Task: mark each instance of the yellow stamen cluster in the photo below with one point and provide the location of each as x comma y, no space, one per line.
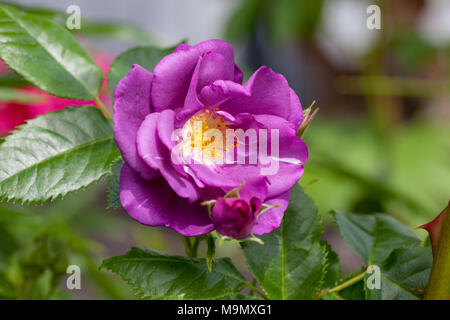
200,123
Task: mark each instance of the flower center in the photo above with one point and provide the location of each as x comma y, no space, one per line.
204,136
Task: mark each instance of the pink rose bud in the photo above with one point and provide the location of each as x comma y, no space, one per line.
234,217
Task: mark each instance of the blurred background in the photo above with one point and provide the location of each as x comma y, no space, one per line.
380,142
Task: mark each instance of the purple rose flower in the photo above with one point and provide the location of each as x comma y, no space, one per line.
234,217
202,85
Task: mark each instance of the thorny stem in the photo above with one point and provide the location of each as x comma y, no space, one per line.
343,285
438,287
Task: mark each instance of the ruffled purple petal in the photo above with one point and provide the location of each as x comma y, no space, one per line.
166,127
253,189
288,176
211,176
148,145
210,67
271,219
238,75
214,66
131,106
154,203
296,112
290,146
182,47
173,73
293,153
191,104
270,94
287,166
158,156
220,91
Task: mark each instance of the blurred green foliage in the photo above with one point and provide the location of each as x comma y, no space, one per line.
350,168
38,243
282,19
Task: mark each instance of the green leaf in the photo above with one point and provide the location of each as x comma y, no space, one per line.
333,270
404,275
374,236
356,290
147,57
47,55
292,261
162,276
56,153
114,185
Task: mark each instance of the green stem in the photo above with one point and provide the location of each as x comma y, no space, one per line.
194,247
439,283
187,245
343,285
254,289
103,108
191,245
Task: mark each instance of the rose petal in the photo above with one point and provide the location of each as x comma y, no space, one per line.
238,75
220,91
214,66
296,112
131,106
154,203
271,219
210,67
269,94
166,127
182,47
173,73
157,156
211,176
285,169
192,104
